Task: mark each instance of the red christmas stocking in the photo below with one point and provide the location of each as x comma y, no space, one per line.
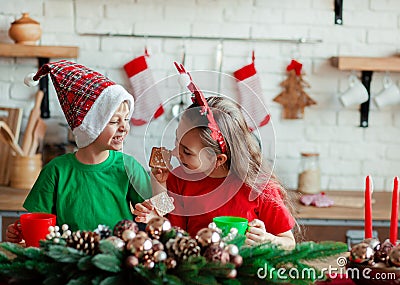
250,96
148,105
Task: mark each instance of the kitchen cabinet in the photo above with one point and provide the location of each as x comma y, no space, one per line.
43,54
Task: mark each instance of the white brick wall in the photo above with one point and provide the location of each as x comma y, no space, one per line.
347,152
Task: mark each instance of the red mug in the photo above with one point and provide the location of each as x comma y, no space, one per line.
35,227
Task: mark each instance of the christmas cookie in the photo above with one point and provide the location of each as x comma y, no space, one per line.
162,203
160,157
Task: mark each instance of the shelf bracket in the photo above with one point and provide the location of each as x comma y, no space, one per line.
366,78
44,86
338,12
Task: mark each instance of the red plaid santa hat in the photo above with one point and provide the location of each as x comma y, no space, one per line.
88,98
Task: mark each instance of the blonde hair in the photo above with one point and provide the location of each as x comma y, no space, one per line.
243,150
244,156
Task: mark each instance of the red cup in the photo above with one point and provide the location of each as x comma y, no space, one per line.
35,227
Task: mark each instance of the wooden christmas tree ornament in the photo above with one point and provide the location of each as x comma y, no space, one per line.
293,98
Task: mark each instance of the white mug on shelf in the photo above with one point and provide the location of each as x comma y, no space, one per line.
355,94
389,95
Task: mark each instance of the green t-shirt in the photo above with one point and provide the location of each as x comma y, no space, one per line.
84,195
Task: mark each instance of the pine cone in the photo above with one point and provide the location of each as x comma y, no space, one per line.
86,241
215,253
182,247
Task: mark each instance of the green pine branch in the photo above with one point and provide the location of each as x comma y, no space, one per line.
309,251
58,264
4,258
13,248
217,269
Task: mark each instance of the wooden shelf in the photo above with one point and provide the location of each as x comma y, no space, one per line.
367,63
43,54
16,50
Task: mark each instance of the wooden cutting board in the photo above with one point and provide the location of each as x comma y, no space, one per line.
13,117
348,202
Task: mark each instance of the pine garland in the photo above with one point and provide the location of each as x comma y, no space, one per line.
84,257
58,264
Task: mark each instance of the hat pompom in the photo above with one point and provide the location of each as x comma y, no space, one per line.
29,81
184,80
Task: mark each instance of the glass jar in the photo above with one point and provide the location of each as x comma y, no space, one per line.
309,181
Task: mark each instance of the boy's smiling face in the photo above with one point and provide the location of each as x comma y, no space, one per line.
113,135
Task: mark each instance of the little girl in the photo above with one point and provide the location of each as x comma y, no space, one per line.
222,173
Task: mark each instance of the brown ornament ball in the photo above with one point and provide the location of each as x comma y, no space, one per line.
160,256
170,262
131,261
372,243
213,253
225,258
149,263
116,242
139,245
127,235
157,245
142,234
123,225
156,226
232,249
232,274
361,253
394,256
237,260
207,236
382,251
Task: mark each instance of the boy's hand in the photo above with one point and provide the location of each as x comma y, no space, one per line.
144,212
14,233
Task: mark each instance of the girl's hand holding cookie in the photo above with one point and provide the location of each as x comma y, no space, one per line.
160,163
160,174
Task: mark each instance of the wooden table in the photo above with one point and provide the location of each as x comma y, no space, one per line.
317,224
333,222
11,201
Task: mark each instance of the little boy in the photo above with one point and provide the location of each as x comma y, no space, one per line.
97,184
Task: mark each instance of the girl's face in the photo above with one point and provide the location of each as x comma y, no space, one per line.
191,153
113,135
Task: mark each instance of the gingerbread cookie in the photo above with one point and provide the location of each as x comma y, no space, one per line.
162,203
160,157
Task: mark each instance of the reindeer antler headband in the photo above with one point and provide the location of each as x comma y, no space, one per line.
199,99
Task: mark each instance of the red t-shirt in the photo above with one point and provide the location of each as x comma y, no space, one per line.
199,199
